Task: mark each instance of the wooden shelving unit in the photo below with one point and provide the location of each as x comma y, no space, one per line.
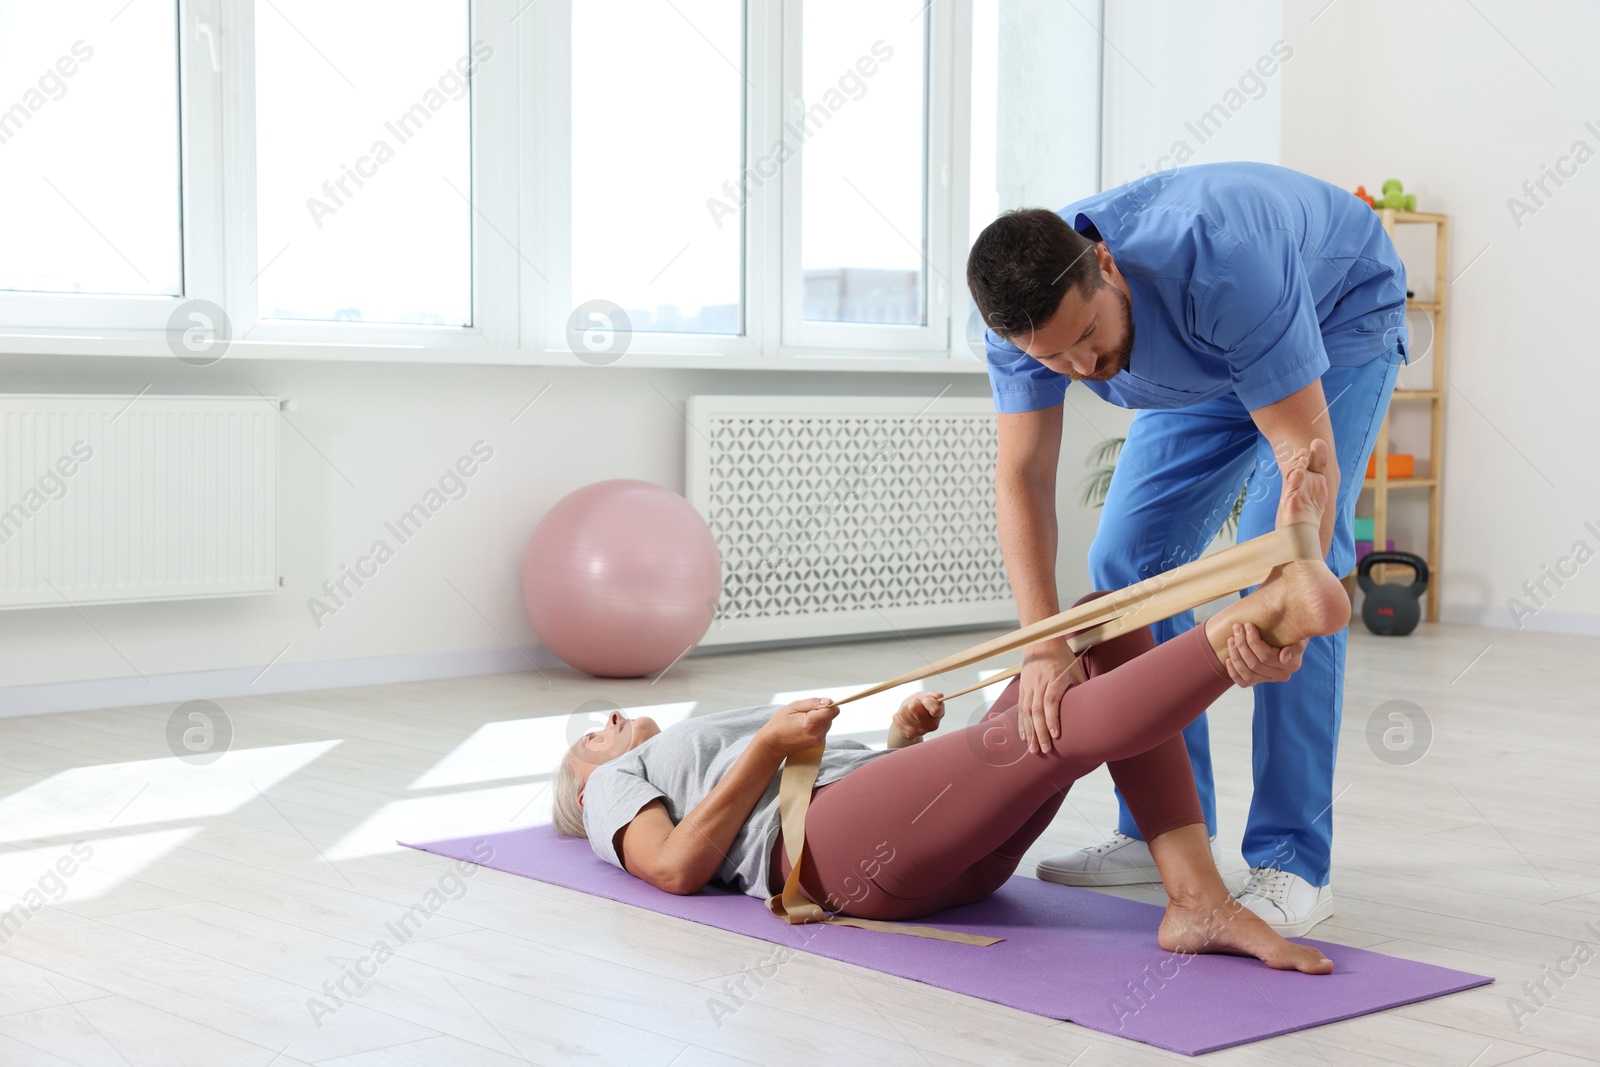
1433,397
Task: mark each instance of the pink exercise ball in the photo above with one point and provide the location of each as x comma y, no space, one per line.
621,578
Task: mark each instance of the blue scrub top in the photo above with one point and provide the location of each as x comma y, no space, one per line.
1236,272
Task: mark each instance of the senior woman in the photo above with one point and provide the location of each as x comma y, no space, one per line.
902,833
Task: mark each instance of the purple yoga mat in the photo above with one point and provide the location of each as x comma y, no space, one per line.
1068,953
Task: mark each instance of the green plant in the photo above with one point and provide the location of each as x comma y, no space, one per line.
1102,461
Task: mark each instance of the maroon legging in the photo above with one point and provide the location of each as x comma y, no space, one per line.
946,821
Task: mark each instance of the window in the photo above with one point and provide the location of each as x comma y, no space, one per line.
678,178
89,149
863,208
1019,154
363,116
1022,154
657,188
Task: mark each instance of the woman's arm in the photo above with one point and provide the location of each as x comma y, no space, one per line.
682,858
918,714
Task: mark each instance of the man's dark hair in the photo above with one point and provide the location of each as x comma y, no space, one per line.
1023,263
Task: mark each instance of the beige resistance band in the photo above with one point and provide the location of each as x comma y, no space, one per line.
1151,600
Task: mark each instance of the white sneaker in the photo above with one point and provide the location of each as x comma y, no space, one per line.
1289,904
1123,860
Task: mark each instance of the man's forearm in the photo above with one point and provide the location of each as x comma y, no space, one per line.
1028,533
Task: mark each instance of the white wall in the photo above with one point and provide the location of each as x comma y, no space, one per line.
1170,62
1465,103
391,431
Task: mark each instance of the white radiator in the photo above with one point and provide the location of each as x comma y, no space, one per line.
120,498
848,515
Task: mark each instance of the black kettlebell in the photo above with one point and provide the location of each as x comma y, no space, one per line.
1389,609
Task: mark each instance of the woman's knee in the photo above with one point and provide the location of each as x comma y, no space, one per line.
1007,700
1119,649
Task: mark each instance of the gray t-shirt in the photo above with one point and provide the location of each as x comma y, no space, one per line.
681,765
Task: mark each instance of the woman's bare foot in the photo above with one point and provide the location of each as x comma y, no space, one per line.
1226,927
1305,486
1300,599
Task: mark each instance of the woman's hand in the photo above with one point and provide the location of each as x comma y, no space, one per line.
919,713
799,725
1252,661
1049,669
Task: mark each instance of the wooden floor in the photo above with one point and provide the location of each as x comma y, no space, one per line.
215,904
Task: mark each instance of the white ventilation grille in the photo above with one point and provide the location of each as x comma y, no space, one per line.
120,498
848,515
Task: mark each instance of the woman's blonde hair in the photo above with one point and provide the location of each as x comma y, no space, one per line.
565,811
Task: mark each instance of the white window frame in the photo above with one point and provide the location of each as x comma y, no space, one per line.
493,260
772,288
546,35
960,85
958,166
521,186
932,338
100,316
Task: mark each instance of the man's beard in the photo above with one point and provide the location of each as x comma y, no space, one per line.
1118,361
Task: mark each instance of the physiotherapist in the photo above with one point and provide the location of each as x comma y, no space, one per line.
1245,309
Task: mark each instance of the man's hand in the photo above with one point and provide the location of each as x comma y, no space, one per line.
1049,668
918,714
798,725
1025,505
1252,661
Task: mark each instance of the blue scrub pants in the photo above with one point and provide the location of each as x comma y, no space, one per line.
1178,475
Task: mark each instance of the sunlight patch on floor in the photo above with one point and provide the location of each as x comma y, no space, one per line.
83,870
476,811
134,792
517,748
